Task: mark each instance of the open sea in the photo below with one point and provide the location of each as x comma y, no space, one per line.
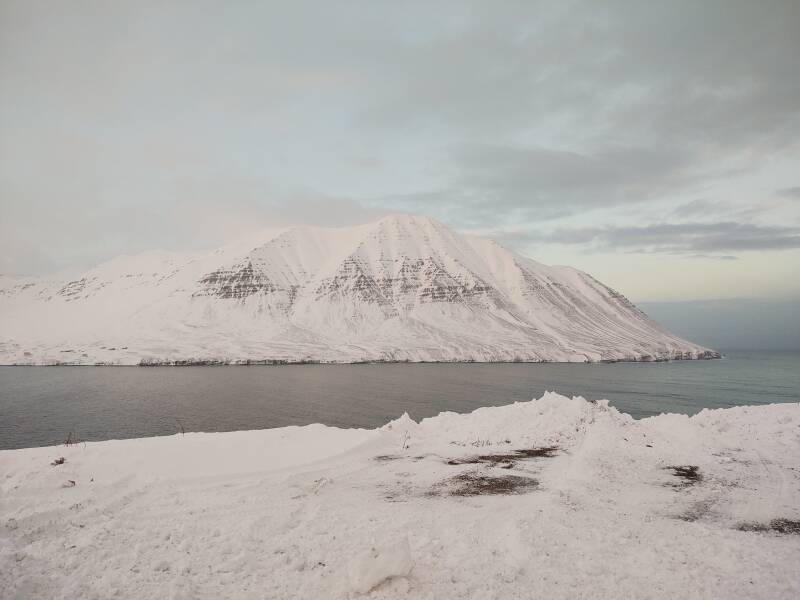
40,406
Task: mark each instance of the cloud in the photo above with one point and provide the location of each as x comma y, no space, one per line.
792,193
504,184
546,183
714,256
35,239
571,107
701,207
680,238
124,126
685,69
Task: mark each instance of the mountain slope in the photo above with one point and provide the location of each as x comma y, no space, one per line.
404,288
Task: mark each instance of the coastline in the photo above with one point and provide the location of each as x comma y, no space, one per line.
216,362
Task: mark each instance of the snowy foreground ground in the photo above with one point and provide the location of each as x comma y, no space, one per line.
554,498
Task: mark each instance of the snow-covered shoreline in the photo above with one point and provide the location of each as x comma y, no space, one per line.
556,498
248,362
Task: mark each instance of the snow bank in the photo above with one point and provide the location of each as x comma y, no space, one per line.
558,497
378,564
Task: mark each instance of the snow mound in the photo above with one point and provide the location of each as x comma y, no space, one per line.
378,564
555,498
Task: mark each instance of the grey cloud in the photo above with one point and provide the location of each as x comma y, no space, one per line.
700,207
547,183
573,107
792,192
505,184
38,235
743,212
712,73
558,170
129,125
682,238
715,256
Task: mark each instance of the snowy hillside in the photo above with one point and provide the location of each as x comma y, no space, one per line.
555,498
404,288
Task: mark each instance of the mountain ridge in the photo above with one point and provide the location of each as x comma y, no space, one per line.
404,288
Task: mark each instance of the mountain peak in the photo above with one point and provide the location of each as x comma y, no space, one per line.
403,288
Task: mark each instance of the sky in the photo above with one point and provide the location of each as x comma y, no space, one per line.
734,324
654,145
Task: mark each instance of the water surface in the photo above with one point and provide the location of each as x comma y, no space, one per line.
40,405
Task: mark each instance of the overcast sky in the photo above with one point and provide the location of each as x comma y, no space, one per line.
655,145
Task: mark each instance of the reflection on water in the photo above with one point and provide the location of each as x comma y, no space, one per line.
39,405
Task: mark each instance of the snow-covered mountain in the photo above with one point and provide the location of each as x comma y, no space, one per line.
404,288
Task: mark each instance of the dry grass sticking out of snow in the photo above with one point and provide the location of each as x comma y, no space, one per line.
555,498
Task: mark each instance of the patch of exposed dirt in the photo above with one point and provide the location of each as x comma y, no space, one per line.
697,511
786,526
468,460
510,457
477,484
391,457
688,474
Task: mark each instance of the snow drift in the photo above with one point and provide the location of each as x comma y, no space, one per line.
553,498
402,289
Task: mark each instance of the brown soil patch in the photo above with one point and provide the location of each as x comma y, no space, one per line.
476,484
697,511
510,457
777,525
689,474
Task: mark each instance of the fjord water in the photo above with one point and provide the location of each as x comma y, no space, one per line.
39,406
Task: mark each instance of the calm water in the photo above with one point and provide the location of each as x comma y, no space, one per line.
39,405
